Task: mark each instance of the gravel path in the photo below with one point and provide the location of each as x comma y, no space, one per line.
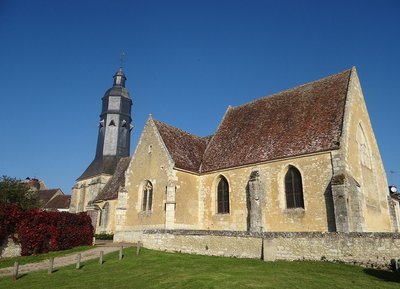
65,260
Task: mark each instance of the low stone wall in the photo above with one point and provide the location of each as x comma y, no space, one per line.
368,249
215,243
10,249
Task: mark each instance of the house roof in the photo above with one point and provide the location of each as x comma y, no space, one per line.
185,149
302,120
46,195
110,190
59,202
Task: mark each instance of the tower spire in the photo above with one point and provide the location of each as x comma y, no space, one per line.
113,140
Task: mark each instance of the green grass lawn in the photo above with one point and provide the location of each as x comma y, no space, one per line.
153,269
9,262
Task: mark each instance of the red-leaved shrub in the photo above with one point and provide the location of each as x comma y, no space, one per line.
10,216
40,231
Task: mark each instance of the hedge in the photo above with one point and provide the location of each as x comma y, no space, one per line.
41,231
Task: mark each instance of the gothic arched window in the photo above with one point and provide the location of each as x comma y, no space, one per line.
103,218
223,196
294,189
147,196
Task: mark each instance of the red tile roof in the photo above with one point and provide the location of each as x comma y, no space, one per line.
305,119
302,120
186,149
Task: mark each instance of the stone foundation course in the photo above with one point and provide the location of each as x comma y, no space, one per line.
366,249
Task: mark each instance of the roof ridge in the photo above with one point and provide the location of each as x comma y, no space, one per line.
293,88
179,129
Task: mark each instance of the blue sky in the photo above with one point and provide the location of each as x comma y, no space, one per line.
186,61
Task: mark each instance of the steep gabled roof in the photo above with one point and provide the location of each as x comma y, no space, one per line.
185,149
58,202
46,195
302,120
110,190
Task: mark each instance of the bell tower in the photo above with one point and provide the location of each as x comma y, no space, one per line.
113,143
114,133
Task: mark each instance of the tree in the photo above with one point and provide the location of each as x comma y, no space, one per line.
14,191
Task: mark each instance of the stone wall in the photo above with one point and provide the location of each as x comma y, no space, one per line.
10,249
368,249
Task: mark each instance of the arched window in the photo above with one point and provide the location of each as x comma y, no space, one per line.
147,196
223,196
103,218
294,189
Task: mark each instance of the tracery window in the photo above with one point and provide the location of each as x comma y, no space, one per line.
223,196
294,189
147,196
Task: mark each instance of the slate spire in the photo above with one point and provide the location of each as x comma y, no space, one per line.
114,132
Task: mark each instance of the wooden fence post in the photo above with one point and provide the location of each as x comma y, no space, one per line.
78,261
51,264
138,248
101,258
121,254
15,271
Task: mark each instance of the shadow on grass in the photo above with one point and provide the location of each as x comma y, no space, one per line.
22,276
384,275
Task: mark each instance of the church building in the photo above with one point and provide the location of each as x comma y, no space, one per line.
301,160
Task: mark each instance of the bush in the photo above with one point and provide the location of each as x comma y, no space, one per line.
40,231
104,236
14,191
10,216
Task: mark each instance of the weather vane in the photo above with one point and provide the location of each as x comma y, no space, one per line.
122,58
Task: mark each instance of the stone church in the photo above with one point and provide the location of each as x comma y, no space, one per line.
301,160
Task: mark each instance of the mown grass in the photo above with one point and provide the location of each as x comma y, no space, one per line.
153,269
8,262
